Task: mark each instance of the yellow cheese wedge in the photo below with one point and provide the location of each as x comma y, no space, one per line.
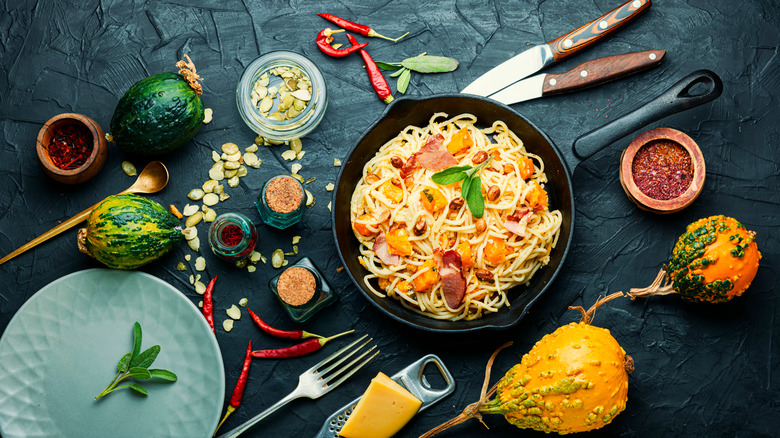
383,410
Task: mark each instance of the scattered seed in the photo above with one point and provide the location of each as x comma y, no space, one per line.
288,155
194,244
296,145
195,194
303,95
200,304
209,215
229,148
190,233
329,187
242,302
200,264
329,205
190,209
254,257
194,219
251,268
298,177
181,267
217,173
296,240
252,148
200,288
277,258
300,154
233,312
241,263
309,198
242,171
192,279
129,168
310,180
215,156
223,196
259,140
296,167
210,199
227,325
295,249
208,113
233,181
336,162
187,257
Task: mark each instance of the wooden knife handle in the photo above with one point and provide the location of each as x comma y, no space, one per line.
599,71
597,29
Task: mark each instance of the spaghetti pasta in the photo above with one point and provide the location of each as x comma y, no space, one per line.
405,222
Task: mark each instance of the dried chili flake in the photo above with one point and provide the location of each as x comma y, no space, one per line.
662,170
70,146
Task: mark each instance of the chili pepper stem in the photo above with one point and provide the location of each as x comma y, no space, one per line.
305,334
324,340
373,33
228,411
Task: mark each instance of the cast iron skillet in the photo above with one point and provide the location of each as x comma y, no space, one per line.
418,111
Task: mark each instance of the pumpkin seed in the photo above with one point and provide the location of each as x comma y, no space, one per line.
192,279
310,180
233,164
232,158
209,185
261,91
265,104
299,104
195,194
215,156
288,155
300,154
298,177
229,148
109,138
242,171
274,142
208,113
200,288
336,162
233,312
272,91
233,181
190,233
329,187
187,257
254,257
181,267
292,113
200,264
242,302
252,148
264,80
129,168
200,304
296,167
277,258
241,263
217,173
296,145
194,219
309,198
276,116
296,240
251,268
230,173
210,215
295,249
211,199
223,196
285,262
259,140
194,244
219,189
304,95
264,259
227,325
329,202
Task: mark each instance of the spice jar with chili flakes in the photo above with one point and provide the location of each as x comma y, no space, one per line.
232,236
281,202
302,290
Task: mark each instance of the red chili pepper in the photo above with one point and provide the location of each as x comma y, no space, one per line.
238,391
357,28
288,334
375,75
208,303
296,350
324,38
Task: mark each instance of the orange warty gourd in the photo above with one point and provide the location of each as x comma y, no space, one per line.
574,379
714,261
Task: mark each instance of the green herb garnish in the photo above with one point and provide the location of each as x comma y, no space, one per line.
471,189
422,63
136,365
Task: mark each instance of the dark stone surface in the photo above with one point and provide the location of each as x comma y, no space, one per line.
701,370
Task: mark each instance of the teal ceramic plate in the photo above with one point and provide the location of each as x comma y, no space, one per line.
62,347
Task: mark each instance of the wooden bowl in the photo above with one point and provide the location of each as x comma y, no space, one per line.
644,201
93,164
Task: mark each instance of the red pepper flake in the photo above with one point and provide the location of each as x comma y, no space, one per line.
662,169
283,195
70,146
231,235
296,286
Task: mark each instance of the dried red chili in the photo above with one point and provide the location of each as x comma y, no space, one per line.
362,29
231,235
325,37
378,81
287,334
238,391
296,350
208,303
662,170
70,146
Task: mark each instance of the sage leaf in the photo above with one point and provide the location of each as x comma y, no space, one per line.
124,363
163,374
464,188
136,340
399,72
430,64
403,80
449,178
138,388
388,65
475,200
146,358
139,373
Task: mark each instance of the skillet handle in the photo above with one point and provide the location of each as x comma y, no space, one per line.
675,99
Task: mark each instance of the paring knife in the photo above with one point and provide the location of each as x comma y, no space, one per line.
588,74
538,57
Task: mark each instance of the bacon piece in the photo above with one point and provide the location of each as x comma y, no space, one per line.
409,166
381,251
453,284
517,222
434,155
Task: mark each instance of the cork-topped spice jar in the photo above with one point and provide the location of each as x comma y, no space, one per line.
302,290
281,201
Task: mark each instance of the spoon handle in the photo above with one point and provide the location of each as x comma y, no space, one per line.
68,224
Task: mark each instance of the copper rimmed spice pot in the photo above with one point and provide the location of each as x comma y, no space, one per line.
662,170
281,201
302,290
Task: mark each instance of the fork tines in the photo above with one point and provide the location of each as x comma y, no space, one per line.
340,357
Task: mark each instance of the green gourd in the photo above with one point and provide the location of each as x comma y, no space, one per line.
128,231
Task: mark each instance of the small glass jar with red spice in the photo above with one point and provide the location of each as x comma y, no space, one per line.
302,290
232,236
281,201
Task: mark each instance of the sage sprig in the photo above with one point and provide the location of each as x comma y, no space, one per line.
136,365
421,63
470,189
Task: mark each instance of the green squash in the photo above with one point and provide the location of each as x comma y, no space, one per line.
128,231
157,115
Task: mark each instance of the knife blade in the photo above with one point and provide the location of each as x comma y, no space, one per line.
585,75
538,57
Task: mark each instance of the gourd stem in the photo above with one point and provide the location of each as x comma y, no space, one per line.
588,316
475,409
656,288
190,74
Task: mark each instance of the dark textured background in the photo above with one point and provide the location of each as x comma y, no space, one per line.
706,370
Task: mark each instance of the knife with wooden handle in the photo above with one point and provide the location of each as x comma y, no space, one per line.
585,75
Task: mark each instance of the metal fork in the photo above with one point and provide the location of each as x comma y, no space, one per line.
314,382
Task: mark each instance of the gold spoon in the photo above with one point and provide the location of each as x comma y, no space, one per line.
152,179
